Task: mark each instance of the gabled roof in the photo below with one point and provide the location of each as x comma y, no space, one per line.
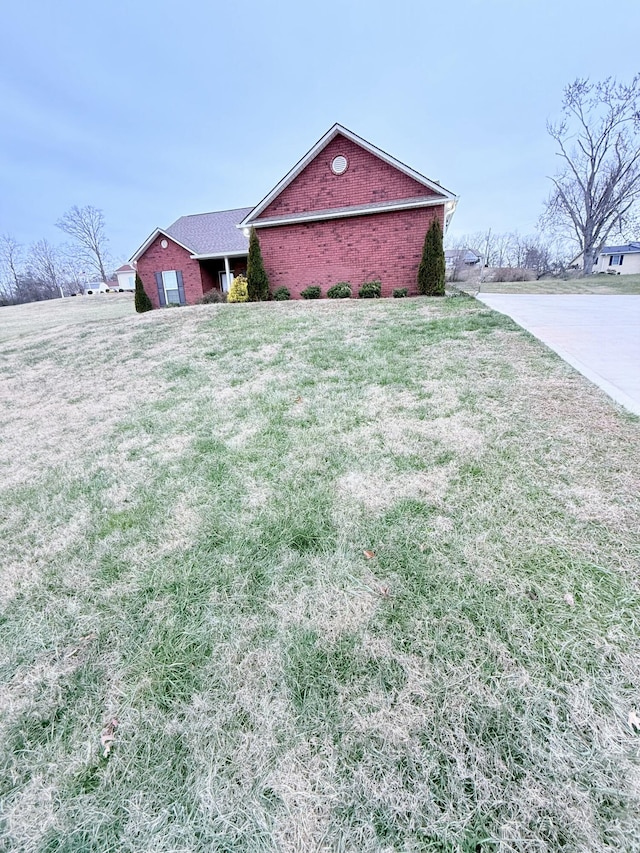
462,254
318,147
126,268
205,234
627,249
211,233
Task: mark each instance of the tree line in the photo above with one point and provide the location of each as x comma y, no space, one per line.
540,253
44,270
595,192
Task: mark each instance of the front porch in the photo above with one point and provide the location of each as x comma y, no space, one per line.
219,272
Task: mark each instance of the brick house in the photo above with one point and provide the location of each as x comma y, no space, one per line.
191,257
347,211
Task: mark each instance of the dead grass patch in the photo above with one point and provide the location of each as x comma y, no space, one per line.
464,685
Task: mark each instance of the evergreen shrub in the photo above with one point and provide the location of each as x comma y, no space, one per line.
311,292
140,299
431,272
341,290
257,281
370,290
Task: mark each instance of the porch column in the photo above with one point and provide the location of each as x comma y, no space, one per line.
227,272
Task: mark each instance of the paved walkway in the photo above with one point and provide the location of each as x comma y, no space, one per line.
598,335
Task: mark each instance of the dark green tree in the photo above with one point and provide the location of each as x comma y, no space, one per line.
141,300
257,280
431,271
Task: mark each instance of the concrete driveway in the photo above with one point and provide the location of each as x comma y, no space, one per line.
598,335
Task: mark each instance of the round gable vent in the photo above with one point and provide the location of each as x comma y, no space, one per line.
164,244
339,165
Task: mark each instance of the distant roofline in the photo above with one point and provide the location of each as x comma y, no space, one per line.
209,212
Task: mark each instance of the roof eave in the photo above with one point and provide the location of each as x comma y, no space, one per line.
232,253
318,215
159,231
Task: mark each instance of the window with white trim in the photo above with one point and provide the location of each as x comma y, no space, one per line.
616,260
170,284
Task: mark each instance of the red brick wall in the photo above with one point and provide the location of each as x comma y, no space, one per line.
367,179
174,257
384,246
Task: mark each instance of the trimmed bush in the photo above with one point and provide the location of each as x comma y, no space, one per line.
370,290
141,299
212,296
257,281
431,272
400,292
238,290
341,290
281,294
312,292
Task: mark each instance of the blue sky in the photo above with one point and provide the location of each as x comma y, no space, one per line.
154,110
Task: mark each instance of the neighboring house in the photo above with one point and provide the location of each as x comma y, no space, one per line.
461,257
126,275
624,260
181,263
347,211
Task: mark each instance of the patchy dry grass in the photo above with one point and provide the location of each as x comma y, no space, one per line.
182,545
17,321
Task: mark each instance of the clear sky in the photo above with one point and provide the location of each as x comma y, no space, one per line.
152,110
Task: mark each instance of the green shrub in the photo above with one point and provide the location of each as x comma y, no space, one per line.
431,271
400,292
238,290
312,292
370,290
281,294
141,299
212,296
257,281
341,290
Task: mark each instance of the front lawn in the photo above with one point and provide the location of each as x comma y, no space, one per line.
354,576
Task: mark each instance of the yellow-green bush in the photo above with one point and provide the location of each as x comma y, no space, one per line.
238,291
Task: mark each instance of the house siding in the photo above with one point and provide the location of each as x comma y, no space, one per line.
174,257
630,264
367,180
385,246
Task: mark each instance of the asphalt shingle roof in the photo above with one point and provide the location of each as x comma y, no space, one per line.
211,233
627,249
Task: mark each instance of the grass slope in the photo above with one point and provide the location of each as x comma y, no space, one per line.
181,541
603,284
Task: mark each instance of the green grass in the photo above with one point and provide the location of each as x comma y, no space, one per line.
604,284
182,540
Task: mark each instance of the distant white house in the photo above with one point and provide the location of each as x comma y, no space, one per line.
622,260
461,257
615,260
126,275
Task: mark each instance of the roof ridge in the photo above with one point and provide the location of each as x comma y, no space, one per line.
209,212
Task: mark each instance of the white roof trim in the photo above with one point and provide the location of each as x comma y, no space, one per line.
236,253
150,240
317,148
316,215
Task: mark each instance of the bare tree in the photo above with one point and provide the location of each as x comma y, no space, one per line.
86,226
46,264
599,143
11,258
